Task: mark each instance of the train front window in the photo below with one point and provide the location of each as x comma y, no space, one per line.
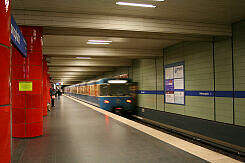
119,90
114,90
104,90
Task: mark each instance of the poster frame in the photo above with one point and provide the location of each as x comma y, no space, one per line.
165,91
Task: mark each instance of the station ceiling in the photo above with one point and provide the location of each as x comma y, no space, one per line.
135,32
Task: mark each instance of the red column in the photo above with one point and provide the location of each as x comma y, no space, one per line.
5,104
45,87
27,105
49,87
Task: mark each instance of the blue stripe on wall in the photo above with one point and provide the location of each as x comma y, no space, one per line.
199,93
238,94
224,94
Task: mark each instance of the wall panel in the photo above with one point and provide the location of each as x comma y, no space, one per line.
239,70
223,80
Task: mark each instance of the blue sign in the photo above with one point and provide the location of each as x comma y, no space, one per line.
17,38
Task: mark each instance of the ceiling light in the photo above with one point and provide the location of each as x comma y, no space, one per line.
99,41
135,4
83,57
106,43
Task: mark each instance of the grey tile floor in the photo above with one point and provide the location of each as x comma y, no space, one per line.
74,133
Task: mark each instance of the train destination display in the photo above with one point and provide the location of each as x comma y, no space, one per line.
175,84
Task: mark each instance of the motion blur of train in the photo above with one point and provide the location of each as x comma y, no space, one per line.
111,94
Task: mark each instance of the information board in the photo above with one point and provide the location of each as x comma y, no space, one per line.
25,86
175,83
17,38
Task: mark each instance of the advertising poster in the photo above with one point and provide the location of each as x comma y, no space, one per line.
169,73
178,83
169,97
179,72
169,85
179,97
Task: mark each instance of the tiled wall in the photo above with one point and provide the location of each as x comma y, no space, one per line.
198,77
160,84
239,70
223,80
146,79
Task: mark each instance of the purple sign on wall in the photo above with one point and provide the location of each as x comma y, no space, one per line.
169,85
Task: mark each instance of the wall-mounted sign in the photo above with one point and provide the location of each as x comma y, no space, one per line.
175,83
25,86
17,38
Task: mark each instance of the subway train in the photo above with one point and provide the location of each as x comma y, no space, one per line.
111,94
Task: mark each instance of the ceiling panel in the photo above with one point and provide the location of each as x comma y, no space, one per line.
81,41
209,11
79,69
93,63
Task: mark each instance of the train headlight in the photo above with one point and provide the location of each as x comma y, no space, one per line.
128,101
106,101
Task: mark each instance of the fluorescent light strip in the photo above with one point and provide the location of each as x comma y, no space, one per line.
135,4
105,43
99,41
83,57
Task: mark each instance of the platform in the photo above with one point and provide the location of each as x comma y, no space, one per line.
76,132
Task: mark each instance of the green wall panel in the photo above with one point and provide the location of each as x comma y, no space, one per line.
177,109
239,70
224,109
160,102
223,80
198,60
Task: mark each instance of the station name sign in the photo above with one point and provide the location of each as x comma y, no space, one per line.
17,38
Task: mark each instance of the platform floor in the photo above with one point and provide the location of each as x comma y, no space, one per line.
75,133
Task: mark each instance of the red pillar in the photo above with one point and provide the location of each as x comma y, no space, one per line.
5,105
27,105
49,87
45,87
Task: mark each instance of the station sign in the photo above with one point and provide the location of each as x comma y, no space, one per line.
17,38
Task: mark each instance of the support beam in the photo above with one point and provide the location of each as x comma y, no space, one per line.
118,63
79,69
100,52
69,80
74,73
118,23
66,76
67,31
